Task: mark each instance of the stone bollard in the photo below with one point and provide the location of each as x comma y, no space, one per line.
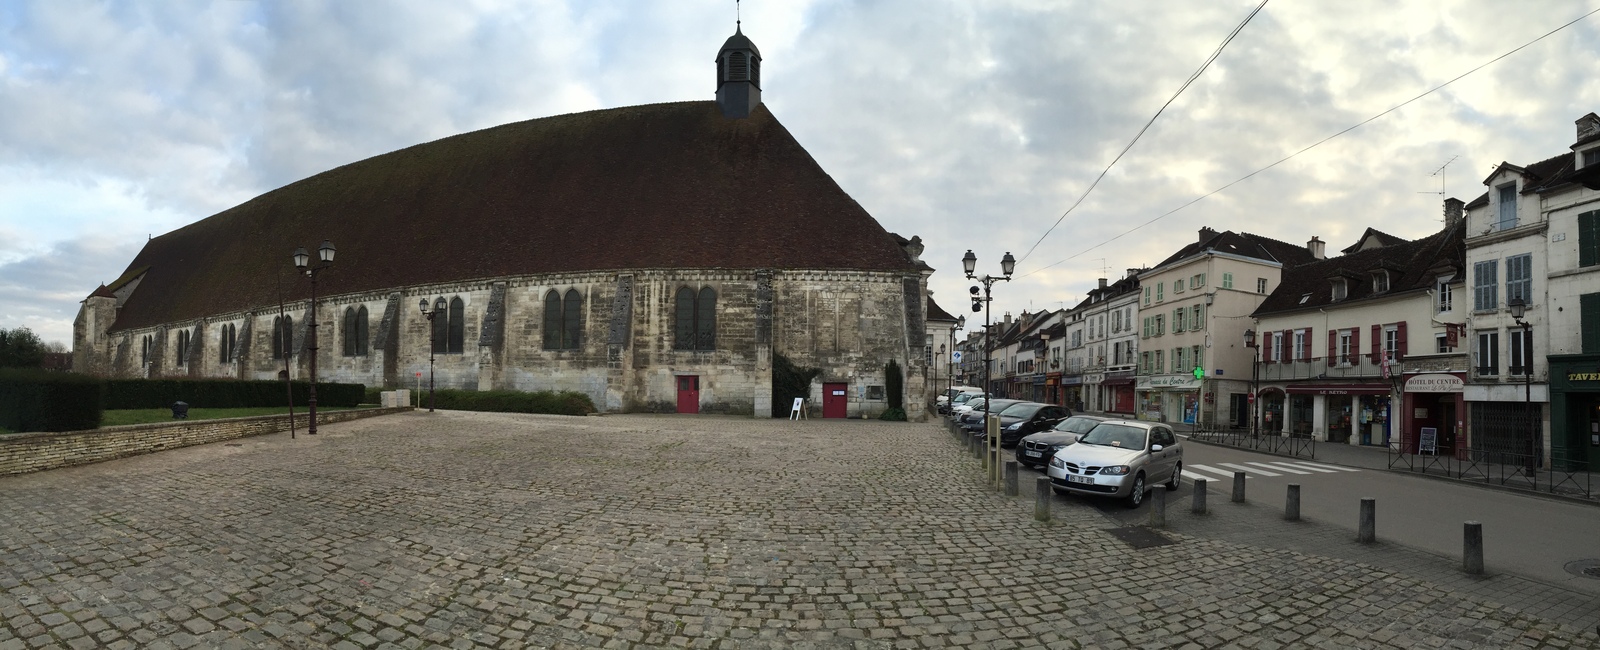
1472,548
1367,532
1238,487
1158,508
1011,479
1291,509
1198,505
1041,500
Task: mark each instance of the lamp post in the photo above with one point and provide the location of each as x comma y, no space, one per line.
969,262
1518,307
1255,369
438,308
949,367
302,261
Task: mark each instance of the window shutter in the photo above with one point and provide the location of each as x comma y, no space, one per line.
1400,345
1589,238
1305,344
1355,346
1288,345
1377,343
1333,348
1589,322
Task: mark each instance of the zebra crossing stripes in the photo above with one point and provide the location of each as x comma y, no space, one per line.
1226,470
1282,467
1245,468
1331,469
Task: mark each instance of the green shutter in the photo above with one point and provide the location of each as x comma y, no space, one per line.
1589,238
1589,317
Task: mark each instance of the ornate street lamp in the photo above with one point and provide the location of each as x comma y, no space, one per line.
1255,369
439,307
949,367
1518,307
302,261
969,262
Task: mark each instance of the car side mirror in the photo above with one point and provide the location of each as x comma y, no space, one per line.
1156,447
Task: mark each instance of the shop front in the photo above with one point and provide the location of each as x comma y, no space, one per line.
1433,414
1575,411
1353,414
1272,401
1052,389
1072,393
1169,398
1120,391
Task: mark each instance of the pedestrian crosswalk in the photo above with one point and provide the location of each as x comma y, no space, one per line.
1224,471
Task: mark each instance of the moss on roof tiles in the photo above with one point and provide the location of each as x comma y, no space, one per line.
657,186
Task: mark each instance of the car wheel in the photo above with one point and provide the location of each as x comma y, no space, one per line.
1177,477
1136,497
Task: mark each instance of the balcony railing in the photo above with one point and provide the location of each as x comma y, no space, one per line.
1319,368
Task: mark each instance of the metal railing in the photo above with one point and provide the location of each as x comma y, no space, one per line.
1526,471
1299,446
1359,366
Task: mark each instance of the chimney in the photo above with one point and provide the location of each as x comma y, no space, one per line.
1588,125
1132,273
1008,319
1206,233
1453,208
1102,283
1315,246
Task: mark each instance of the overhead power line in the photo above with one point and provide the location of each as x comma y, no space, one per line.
1146,127
1314,144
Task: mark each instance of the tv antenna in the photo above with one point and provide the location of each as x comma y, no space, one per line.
1104,270
1440,172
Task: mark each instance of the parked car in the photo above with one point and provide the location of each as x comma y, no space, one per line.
1021,419
972,421
1036,450
975,402
958,400
1119,458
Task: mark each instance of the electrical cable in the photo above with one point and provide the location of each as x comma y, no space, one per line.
1146,127
1314,145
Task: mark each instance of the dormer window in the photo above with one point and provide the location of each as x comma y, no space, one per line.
1508,206
1380,281
1304,298
1591,157
1340,290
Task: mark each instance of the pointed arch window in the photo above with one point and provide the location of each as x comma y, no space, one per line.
183,346
458,325
144,352
563,320
355,331
227,345
696,319
283,337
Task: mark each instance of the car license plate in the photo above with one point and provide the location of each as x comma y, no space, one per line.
1079,479
1031,454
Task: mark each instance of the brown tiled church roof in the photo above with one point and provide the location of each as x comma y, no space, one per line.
644,187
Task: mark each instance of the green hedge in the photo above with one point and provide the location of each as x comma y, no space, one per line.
511,401
224,393
34,400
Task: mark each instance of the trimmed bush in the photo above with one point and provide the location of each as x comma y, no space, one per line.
893,415
224,393
512,401
34,400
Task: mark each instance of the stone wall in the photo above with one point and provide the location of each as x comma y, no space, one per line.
32,452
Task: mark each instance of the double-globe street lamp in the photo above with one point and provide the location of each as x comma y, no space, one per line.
969,262
302,261
438,308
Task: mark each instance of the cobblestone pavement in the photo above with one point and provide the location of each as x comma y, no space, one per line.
467,530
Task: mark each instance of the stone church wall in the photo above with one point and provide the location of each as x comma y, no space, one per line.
848,324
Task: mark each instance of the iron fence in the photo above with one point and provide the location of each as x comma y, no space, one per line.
1297,445
1500,466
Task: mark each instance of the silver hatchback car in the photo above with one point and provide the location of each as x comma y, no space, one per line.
1119,458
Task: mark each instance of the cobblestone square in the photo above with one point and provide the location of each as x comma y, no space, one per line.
465,530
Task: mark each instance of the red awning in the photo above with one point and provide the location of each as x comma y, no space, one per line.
1340,389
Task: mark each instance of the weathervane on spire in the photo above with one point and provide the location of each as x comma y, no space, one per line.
737,19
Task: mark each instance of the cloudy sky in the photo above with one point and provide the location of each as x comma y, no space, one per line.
972,124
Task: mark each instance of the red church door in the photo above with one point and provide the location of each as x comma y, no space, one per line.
835,400
688,394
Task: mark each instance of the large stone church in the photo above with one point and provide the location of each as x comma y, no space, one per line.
652,257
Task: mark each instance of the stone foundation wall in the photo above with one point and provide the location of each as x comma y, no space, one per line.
32,452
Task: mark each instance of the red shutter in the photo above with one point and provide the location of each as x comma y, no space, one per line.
1305,343
1377,344
1333,348
1400,346
1355,346
1288,346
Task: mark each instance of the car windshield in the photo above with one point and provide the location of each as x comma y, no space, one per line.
1022,410
962,398
1115,435
1077,425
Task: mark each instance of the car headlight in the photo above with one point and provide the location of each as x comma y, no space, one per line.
1056,448
1114,470
1015,427
1057,462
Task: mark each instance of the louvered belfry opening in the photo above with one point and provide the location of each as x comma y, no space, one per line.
738,67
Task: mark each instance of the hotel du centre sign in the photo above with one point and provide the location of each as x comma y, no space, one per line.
1435,383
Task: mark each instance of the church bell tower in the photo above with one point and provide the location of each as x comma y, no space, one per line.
738,76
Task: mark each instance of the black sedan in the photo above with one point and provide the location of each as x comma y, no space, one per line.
1036,450
1026,418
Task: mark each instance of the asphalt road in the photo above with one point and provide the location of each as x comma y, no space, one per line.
1524,535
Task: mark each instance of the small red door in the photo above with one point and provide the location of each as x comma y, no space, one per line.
688,394
835,400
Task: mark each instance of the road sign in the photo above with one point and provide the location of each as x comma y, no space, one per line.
956,356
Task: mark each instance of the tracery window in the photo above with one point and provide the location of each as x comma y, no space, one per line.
696,319
563,320
282,337
355,331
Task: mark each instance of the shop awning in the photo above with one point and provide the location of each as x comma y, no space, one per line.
1340,389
